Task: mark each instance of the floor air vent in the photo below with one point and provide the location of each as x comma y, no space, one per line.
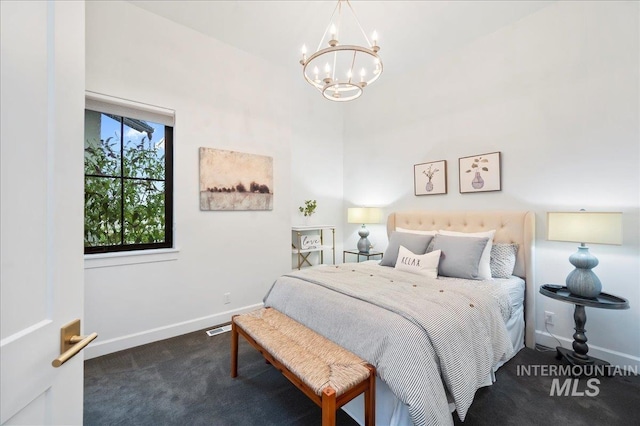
218,330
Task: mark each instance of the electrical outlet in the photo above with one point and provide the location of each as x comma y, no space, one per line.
548,317
227,298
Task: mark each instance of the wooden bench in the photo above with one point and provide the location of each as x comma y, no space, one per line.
327,373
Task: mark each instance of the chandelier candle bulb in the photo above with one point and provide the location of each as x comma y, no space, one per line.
333,42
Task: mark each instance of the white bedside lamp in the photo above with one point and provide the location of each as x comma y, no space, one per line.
364,215
584,227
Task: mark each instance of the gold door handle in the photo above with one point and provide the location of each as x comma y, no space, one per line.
71,342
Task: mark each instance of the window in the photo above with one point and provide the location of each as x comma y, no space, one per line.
128,183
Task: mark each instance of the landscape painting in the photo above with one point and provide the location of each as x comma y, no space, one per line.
232,180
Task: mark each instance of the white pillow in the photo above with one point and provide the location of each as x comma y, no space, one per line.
484,269
421,264
416,231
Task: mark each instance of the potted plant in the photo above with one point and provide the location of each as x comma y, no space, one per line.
309,208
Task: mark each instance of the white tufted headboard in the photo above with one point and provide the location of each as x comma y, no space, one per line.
511,227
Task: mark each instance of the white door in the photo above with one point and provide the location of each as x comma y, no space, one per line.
41,201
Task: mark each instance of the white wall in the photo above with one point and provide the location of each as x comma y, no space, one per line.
557,94
316,160
221,100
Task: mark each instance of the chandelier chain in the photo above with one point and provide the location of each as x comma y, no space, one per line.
326,30
353,62
358,22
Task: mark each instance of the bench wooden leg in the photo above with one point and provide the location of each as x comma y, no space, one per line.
328,407
328,401
370,399
234,349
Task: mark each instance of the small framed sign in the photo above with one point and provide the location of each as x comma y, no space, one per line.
310,242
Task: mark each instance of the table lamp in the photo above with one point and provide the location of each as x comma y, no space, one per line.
364,215
584,227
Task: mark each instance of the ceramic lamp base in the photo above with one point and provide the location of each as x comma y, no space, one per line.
582,281
363,243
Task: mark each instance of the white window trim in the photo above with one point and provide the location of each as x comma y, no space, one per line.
126,108
134,257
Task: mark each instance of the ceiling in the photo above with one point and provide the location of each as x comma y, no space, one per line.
411,33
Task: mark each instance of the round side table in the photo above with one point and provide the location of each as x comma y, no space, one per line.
578,356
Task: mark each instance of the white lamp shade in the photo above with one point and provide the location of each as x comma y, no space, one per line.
364,215
585,227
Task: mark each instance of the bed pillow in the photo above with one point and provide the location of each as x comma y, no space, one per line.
484,272
415,243
416,231
421,264
503,260
460,255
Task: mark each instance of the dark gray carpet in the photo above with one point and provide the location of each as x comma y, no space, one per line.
524,400
185,381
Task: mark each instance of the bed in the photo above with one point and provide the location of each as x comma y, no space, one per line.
434,341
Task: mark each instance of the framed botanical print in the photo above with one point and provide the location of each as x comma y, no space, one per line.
480,173
430,178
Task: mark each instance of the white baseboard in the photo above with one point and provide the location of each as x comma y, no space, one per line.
97,349
615,358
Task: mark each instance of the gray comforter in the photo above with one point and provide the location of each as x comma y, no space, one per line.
421,334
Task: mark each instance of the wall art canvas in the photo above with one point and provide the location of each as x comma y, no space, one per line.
430,178
480,173
232,180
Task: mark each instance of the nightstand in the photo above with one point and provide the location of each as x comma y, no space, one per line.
367,256
578,356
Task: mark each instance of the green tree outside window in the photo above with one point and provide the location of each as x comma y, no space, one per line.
128,184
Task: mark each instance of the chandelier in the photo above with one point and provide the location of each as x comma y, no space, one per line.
342,71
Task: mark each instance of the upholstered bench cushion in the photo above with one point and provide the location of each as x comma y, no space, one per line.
316,360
